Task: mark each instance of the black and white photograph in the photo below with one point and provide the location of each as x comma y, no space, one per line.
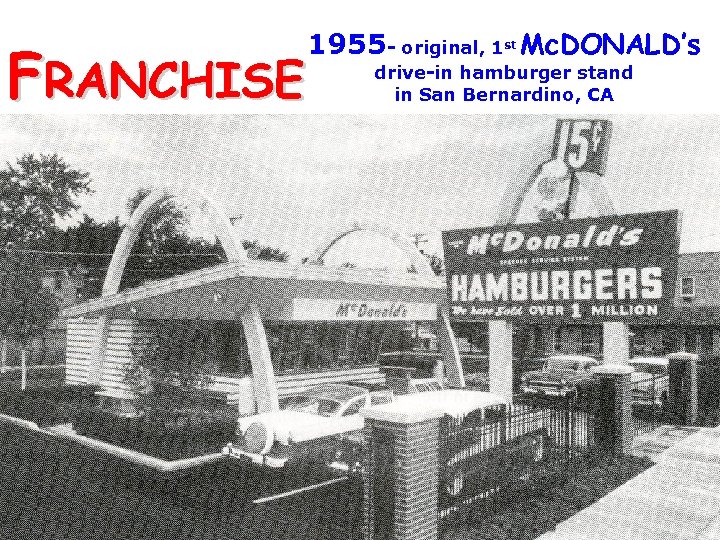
360,327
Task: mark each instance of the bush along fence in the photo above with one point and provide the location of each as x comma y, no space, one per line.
512,451
167,436
426,470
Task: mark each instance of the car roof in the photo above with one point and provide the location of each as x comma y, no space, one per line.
456,403
571,358
649,360
336,392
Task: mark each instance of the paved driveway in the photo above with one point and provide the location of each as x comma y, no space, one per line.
677,499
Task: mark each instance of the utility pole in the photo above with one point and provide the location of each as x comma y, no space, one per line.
419,238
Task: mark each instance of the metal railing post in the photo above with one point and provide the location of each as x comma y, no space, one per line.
23,369
3,354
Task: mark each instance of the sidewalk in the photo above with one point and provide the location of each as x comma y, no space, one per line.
678,498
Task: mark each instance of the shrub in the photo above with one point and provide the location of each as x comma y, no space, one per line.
46,406
165,437
171,368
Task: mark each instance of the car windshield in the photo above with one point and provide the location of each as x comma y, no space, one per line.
311,405
562,364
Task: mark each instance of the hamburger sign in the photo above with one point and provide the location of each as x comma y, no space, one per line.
609,268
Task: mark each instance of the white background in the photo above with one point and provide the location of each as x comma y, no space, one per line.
81,33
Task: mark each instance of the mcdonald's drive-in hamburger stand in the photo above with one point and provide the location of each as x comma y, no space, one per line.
261,313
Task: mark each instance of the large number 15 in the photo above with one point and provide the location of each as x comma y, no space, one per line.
585,136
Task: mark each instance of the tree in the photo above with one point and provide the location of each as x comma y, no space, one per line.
26,307
34,194
164,247
264,253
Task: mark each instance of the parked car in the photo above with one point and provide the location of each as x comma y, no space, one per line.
324,424
307,425
424,385
560,375
405,380
650,381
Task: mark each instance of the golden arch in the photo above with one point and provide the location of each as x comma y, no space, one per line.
516,192
223,229
417,259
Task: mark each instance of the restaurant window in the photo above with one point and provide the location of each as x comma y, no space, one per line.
590,338
472,338
232,353
687,287
321,346
540,341
559,340
211,347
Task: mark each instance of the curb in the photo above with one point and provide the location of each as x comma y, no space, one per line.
132,456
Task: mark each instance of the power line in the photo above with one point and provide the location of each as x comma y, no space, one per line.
90,254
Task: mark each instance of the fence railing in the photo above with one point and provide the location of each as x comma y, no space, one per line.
500,453
649,394
709,392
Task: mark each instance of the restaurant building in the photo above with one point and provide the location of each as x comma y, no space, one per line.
260,329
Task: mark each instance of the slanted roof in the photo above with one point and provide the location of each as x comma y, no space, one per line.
221,292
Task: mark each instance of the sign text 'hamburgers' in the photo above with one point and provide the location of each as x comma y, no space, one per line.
605,268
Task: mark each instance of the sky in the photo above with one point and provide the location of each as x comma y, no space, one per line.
295,178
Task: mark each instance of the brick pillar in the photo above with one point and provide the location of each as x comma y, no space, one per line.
402,473
615,416
682,394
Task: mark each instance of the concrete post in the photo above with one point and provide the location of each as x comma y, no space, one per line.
616,343
402,473
449,348
501,358
616,416
682,394
716,342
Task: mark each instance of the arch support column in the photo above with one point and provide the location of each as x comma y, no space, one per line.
449,349
264,386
